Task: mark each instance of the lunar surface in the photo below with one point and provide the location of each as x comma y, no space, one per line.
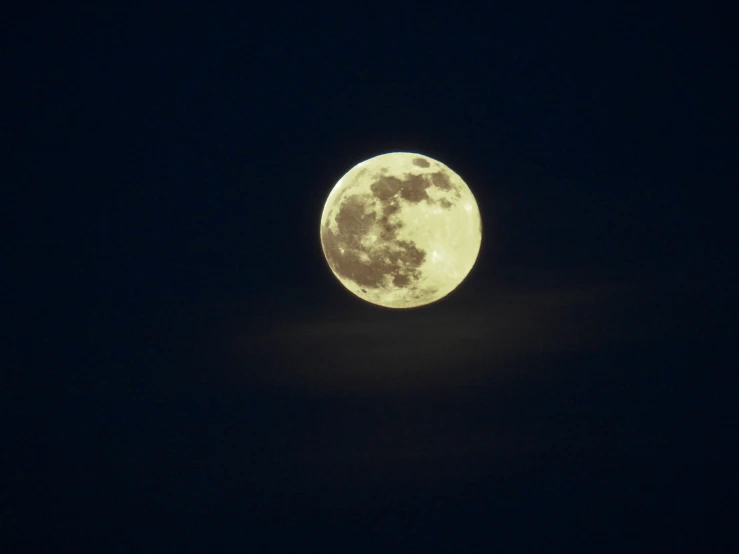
401,230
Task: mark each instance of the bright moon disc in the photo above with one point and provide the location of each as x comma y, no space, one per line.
401,230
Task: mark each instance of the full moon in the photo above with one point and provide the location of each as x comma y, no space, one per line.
401,230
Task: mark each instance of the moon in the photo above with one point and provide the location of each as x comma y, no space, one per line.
401,230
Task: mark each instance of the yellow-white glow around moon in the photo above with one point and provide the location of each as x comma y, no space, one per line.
401,230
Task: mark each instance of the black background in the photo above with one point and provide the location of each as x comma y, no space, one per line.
185,374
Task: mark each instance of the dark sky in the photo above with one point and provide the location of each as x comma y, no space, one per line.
185,374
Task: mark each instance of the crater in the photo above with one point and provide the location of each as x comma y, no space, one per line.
386,187
377,263
354,219
441,179
412,188
420,162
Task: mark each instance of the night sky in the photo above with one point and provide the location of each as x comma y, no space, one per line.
183,372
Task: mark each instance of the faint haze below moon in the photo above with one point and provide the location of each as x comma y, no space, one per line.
482,337
489,383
